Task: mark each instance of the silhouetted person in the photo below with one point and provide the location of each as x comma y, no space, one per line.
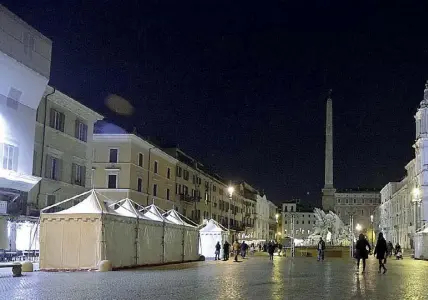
226,250
271,250
362,251
381,251
321,249
217,251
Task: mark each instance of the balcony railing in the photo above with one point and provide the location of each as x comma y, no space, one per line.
189,198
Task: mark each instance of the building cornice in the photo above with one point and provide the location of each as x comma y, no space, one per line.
72,105
132,138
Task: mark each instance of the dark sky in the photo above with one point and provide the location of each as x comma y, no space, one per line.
241,85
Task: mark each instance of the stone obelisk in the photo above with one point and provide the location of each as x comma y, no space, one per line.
328,192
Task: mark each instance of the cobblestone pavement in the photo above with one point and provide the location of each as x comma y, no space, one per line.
255,278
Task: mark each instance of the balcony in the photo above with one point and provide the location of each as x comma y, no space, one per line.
190,199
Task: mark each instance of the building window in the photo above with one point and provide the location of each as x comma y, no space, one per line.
292,209
113,156
179,170
186,175
194,179
362,212
167,194
355,201
10,154
214,188
140,184
155,190
112,181
53,168
285,208
285,222
78,175
57,120
309,222
140,159
168,173
50,200
297,222
303,222
81,131
155,167
338,201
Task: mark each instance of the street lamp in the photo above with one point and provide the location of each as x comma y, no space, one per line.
230,190
371,220
277,217
358,227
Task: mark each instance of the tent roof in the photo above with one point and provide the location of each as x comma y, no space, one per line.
127,209
153,213
174,217
212,226
92,204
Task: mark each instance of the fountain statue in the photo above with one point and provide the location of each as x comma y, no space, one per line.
330,227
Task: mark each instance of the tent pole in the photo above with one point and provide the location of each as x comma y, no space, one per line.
182,244
163,242
136,240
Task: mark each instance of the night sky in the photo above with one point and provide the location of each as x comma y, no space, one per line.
241,86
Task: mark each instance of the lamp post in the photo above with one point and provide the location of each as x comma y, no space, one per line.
371,221
230,190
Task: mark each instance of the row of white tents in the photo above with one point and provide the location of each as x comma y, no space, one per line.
122,232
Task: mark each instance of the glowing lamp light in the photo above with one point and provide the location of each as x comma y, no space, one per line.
358,227
371,218
230,190
416,192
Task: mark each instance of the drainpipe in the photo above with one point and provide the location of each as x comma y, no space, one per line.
43,147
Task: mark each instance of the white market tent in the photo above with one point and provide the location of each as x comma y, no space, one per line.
91,231
176,218
210,234
421,244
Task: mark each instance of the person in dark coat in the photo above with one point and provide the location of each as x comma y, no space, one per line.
321,249
362,251
271,250
217,251
226,250
381,251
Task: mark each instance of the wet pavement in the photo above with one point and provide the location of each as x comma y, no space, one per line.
254,278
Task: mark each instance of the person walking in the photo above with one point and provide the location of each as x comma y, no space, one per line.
381,250
270,250
244,248
236,249
226,250
321,249
217,251
362,251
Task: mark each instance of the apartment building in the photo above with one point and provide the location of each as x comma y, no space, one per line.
25,61
358,203
203,194
127,166
304,220
63,149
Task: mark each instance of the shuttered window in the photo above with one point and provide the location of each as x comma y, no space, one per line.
53,168
56,120
78,176
81,131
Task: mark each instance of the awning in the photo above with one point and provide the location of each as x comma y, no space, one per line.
13,180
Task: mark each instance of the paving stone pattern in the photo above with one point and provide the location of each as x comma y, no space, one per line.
254,278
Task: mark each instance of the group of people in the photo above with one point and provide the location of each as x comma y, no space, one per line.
381,251
237,249
242,249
